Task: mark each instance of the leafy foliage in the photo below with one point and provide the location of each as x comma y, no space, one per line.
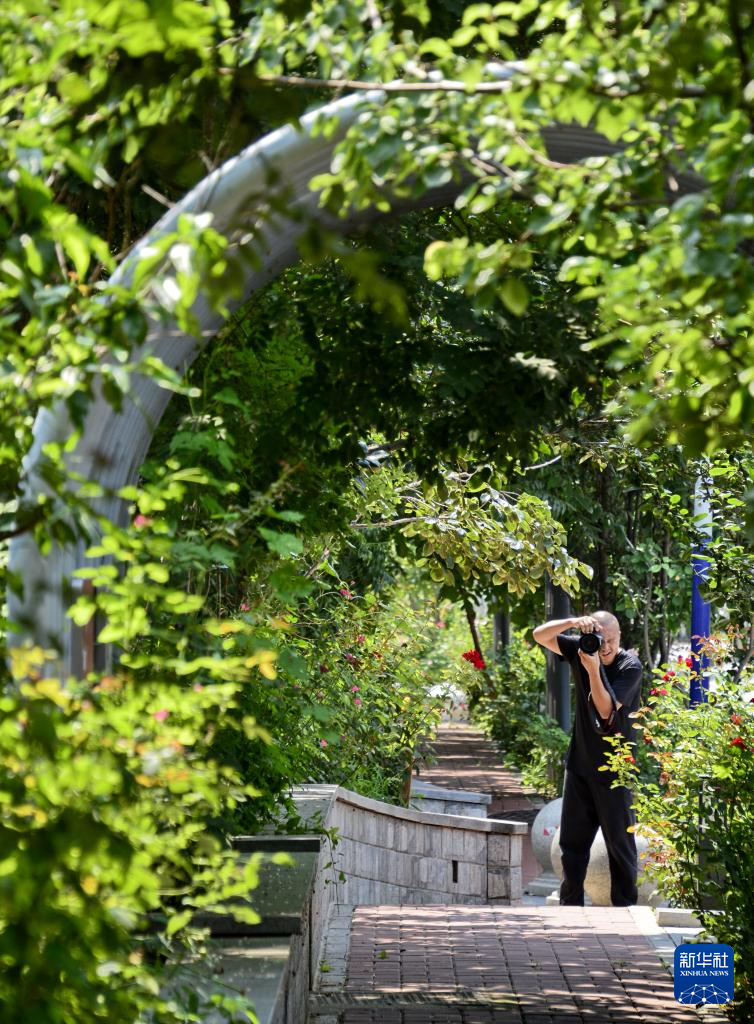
471,535
655,232
456,336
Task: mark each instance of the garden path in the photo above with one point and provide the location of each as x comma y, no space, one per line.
491,964
465,758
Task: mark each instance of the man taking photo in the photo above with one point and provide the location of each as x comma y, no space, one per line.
608,691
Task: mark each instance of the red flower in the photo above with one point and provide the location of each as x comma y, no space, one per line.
653,692
663,692
345,592
736,719
361,639
666,678
475,658
323,669
630,758
680,659
689,662
738,742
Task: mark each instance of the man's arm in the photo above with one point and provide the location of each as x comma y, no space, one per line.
601,697
546,635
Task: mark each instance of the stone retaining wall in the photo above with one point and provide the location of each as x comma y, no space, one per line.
426,797
383,854
396,855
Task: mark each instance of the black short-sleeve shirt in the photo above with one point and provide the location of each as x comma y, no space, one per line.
622,678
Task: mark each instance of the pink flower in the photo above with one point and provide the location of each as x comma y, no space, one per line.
244,607
354,689
357,701
161,715
323,669
198,687
439,624
142,521
345,592
351,658
361,639
680,659
323,743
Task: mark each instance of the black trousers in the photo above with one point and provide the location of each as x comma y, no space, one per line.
587,806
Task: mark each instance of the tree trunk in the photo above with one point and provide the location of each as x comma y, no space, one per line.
649,660
664,639
501,625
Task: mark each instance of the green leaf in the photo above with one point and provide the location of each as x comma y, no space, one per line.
515,295
284,544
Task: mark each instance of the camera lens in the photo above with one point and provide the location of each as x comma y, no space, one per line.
590,643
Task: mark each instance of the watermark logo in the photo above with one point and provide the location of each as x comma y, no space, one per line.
703,973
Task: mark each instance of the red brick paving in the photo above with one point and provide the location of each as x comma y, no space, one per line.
544,965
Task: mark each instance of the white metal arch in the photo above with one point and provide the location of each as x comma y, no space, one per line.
114,444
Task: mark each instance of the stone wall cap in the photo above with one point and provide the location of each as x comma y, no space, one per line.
465,796
461,821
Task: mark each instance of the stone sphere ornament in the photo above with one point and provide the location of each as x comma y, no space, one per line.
597,882
543,828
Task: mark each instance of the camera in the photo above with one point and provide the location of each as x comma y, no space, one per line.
590,643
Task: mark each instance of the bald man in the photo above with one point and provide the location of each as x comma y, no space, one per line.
608,690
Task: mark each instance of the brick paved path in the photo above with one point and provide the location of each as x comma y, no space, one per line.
504,965
534,964
467,759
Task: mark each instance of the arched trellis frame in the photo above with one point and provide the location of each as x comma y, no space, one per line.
114,443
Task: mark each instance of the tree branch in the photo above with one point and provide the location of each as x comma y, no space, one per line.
443,85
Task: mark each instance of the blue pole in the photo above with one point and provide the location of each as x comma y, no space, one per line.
700,609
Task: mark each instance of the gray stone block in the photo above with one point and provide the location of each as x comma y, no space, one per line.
471,879
498,885
434,874
499,851
475,847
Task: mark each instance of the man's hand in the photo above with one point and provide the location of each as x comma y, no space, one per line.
546,635
585,624
590,660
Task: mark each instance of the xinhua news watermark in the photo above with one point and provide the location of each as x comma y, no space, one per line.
703,973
